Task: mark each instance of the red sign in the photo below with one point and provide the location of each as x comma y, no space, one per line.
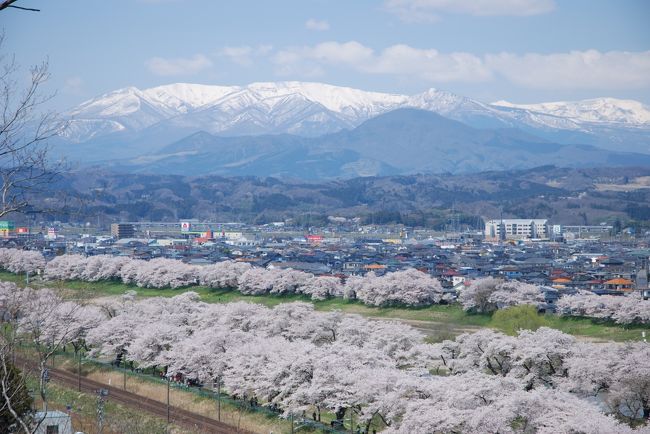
314,238
22,230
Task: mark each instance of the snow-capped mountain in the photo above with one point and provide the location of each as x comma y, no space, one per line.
599,110
292,107
131,109
484,115
158,116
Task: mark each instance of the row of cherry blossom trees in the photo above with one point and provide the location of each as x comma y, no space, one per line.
617,376
632,309
21,261
409,287
48,322
488,294
298,359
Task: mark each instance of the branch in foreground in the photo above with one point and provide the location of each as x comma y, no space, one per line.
9,4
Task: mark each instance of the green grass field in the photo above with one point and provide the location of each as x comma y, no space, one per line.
437,321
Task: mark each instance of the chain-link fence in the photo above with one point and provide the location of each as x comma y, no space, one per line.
221,399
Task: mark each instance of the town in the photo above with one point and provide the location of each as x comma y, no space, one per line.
561,259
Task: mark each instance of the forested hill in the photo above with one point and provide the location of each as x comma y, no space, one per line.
569,196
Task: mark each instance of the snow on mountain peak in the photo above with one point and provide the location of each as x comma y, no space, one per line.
447,103
121,101
185,96
596,110
312,108
335,98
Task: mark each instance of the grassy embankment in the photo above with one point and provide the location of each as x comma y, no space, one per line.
82,408
437,321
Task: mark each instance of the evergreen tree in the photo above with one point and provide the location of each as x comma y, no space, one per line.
20,401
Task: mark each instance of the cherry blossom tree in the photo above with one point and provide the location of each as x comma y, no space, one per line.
256,281
515,293
619,374
202,356
222,274
66,267
103,267
44,318
540,357
476,297
408,287
143,330
353,284
287,281
21,261
628,309
489,294
164,273
322,287
478,403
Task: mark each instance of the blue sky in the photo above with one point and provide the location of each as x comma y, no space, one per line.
518,50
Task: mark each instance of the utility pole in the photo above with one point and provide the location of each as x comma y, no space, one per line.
219,399
79,372
101,400
351,422
168,418
291,419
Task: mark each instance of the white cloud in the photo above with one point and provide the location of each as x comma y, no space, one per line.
399,59
243,55
430,64
589,69
318,25
429,10
178,66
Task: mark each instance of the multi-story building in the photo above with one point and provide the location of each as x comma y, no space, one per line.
516,229
122,230
7,229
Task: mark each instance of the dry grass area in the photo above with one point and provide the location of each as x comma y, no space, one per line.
634,184
250,421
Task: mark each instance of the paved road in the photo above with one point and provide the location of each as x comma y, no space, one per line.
177,415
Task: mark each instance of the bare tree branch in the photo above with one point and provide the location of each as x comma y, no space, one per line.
25,128
9,4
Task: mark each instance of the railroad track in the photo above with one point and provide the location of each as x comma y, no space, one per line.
177,415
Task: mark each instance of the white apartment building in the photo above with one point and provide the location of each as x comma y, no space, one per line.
516,229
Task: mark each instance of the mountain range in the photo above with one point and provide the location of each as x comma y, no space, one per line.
567,196
287,128
402,141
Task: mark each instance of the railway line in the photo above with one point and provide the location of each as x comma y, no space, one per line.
177,415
